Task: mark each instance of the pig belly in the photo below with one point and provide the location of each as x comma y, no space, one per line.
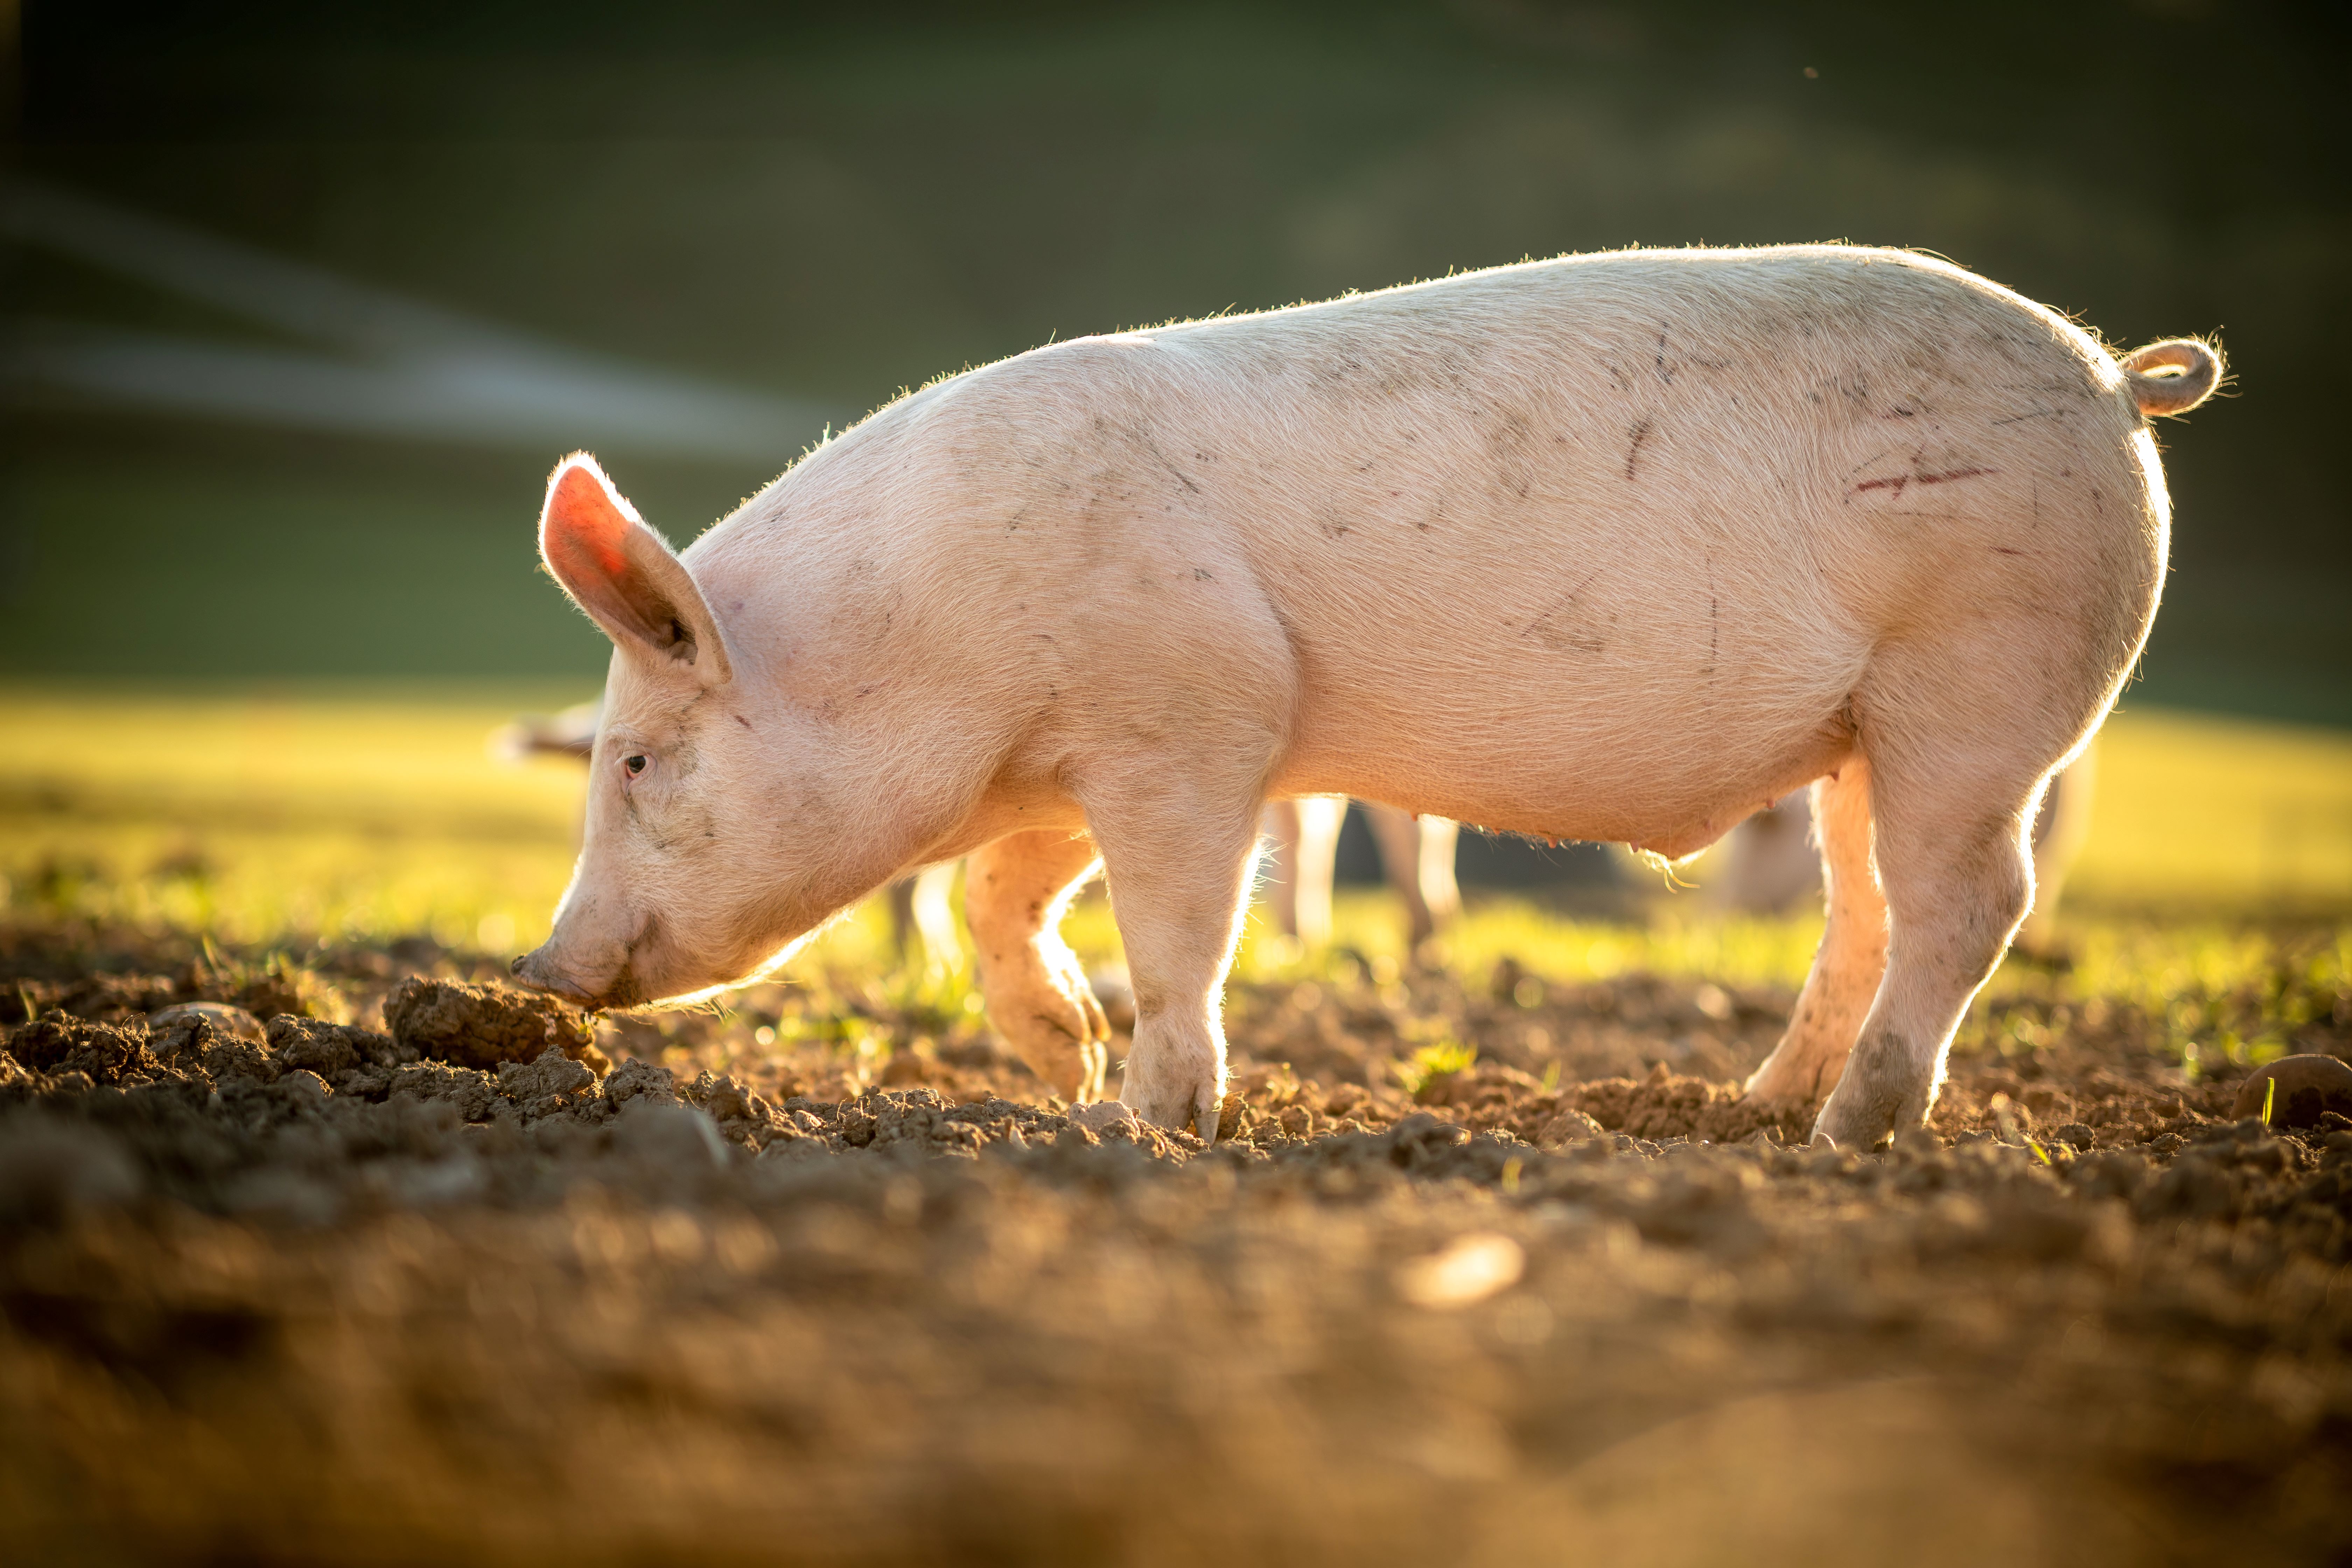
1655,698
1513,746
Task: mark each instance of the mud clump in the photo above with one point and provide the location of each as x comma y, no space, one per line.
482,1026
234,1022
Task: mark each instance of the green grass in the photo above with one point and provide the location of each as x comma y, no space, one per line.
273,817
278,818
2194,810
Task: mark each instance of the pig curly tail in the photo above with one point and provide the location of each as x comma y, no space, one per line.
2173,376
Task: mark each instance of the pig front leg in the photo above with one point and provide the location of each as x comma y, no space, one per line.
1179,861
1016,891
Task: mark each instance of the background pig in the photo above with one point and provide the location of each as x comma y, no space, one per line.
1615,547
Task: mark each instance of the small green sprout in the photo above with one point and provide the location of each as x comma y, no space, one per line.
2270,1093
1433,1062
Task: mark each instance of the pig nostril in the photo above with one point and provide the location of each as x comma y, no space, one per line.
516,967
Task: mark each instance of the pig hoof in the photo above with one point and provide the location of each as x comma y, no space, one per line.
1855,1122
1176,1110
1792,1082
1207,1111
1053,1023
1175,1083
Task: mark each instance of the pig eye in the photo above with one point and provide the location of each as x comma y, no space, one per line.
634,764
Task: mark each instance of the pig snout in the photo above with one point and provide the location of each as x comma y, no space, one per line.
591,969
541,970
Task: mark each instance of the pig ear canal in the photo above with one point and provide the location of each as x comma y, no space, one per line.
623,574
690,632
664,611
666,614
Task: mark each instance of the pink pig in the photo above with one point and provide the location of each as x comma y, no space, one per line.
1614,547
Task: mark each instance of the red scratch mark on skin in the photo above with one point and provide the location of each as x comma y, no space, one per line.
1897,483
2005,549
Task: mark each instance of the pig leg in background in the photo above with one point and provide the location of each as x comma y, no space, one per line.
1417,857
920,916
1852,955
1770,862
903,934
934,916
2059,829
1016,891
1180,878
1297,864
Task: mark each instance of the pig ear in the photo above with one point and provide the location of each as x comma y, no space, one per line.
624,573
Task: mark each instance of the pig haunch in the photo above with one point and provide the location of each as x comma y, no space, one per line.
1612,547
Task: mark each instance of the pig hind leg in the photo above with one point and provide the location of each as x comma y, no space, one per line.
1016,891
1851,959
1951,806
1179,854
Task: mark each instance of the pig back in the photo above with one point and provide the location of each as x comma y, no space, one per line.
1596,522
1549,533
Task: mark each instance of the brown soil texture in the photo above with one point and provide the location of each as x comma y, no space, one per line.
860,1294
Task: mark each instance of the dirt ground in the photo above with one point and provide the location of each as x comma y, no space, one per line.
419,1274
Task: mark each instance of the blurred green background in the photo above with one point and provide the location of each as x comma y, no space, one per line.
802,212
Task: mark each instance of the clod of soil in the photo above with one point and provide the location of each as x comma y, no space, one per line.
1571,1126
482,1026
234,1022
2308,1088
